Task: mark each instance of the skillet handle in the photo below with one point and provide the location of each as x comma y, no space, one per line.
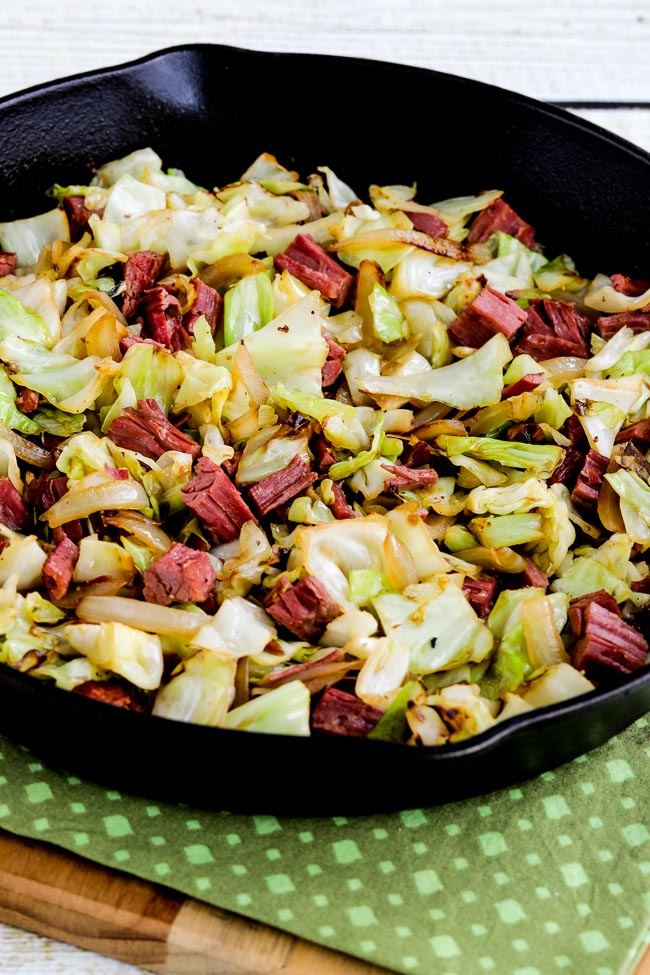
62,896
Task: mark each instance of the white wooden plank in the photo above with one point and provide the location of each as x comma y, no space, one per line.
589,50
23,953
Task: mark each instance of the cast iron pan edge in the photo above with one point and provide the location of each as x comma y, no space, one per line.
171,100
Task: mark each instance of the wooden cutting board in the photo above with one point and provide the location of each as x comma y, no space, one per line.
60,895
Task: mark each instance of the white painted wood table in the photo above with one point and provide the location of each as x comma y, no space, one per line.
593,54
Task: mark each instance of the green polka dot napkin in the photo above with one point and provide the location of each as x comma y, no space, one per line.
548,877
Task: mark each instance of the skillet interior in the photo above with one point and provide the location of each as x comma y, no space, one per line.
210,110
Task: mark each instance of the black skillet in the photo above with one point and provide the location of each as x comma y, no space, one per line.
210,110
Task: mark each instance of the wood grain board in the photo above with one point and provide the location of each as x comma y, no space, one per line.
60,895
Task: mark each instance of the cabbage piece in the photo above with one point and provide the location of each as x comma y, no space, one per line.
421,274
10,415
476,380
340,194
437,622
26,238
290,350
464,710
282,711
604,568
383,672
201,381
137,164
552,408
559,683
342,424
70,384
329,552
83,454
365,584
345,468
616,358
131,653
513,267
559,275
95,492
540,459
500,530
602,296
388,322
17,320
20,631
456,210
529,495
238,629
42,297
50,420
153,374
68,674
602,406
393,724
201,693
102,559
406,524
248,306
23,558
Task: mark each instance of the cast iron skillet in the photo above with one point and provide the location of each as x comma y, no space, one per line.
210,110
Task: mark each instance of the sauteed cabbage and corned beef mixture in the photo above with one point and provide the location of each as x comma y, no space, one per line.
277,458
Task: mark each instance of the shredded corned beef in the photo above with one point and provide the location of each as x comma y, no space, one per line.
340,507
408,477
303,671
489,313
43,491
533,575
324,455
230,466
8,262
573,430
334,350
638,431
480,593
609,325
216,502
526,384
281,486
163,322
330,372
141,271
58,568
181,575
553,328
569,467
78,213
605,643
418,454
633,288
206,302
110,692
311,264
428,223
130,340
147,430
590,479
340,713
13,510
304,608
500,216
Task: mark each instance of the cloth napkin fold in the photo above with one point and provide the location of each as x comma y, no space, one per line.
550,876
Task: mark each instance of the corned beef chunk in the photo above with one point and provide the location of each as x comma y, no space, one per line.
489,313
480,593
43,491
633,288
230,466
216,502
78,213
526,384
334,350
639,432
27,399
428,223
533,575
130,340
285,484
330,372
590,479
408,477
120,695
304,608
8,262
13,510
500,216
340,507
569,468
324,455
340,713
609,325
141,271
606,644
163,322
418,454
181,575
573,430
59,567
148,431
311,264
206,302
553,328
